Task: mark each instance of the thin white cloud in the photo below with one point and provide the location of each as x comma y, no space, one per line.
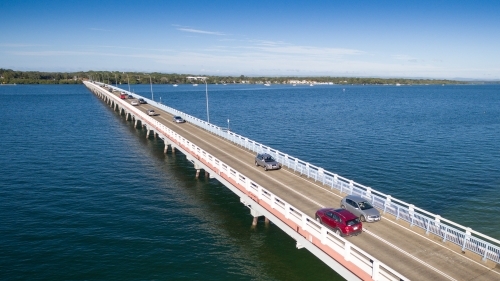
201,31
20,45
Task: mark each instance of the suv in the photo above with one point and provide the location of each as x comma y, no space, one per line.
343,222
360,207
142,101
267,161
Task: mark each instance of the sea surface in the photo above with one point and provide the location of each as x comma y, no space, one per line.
85,196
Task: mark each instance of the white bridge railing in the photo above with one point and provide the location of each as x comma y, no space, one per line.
465,237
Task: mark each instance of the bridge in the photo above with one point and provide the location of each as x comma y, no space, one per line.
409,243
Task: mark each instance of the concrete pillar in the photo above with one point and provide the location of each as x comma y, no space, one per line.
254,222
173,149
165,149
197,173
206,174
266,221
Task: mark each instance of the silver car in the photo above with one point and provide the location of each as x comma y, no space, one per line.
178,119
360,207
267,161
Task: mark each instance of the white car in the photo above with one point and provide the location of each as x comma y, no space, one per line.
134,102
151,112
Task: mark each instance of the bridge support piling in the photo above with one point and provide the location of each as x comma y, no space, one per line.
207,174
197,173
254,222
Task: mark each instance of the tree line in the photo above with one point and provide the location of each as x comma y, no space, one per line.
9,76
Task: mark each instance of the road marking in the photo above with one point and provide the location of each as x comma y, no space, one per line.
410,255
442,246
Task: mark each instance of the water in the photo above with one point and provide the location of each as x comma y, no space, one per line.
84,195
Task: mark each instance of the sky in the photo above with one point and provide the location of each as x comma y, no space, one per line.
357,38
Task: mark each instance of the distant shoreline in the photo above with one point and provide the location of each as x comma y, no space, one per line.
12,77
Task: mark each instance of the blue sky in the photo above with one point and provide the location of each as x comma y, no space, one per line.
429,39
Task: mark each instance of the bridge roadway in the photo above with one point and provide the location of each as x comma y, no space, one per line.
406,249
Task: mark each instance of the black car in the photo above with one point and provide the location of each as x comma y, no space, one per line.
142,101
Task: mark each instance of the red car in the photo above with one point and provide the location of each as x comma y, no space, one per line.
341,221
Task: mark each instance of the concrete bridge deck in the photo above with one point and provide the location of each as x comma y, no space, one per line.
408,250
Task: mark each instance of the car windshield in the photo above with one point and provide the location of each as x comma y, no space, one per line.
365,205
177,118
353,222
269,159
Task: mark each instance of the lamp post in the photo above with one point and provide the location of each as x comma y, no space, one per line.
128,82
151,83
116,81
228,125
206,91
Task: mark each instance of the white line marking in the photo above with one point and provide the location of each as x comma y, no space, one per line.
409,255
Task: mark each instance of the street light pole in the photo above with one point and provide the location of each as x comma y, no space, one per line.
116,82
206,95
228,125
151,83
128,82
206,91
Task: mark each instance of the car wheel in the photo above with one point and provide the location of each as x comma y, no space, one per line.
319,220
256,164
337,231
342,206
362,218
265,168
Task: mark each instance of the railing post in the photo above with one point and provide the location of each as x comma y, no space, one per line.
335,182
437,220
411,213
347,251
273,201
368,194
387,202
445,233
375,269
287,211
351,187
323,234
321,175
466,238
485,252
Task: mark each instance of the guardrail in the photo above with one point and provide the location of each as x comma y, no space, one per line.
465,237
351,253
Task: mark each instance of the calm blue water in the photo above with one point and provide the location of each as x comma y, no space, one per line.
84,195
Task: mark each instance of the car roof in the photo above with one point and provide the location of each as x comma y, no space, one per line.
355,198
342,212
346,214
